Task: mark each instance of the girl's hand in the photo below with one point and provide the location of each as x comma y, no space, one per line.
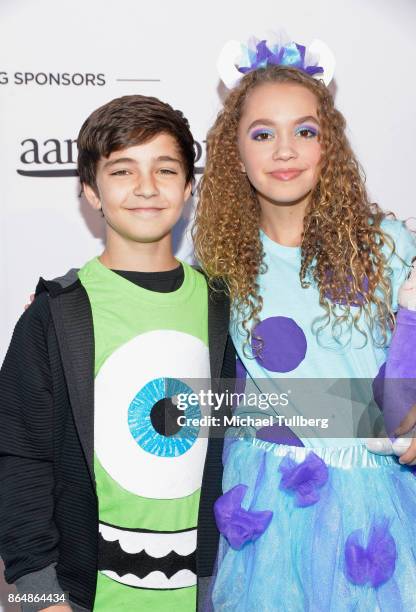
408,457
407,292
31,298
405,448
379,446
407,425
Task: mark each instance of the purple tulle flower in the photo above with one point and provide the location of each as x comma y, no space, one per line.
237,525
292,55
304,479
374,563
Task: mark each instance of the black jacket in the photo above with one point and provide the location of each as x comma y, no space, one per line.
48,503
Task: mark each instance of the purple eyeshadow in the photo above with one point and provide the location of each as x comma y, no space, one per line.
261,131
310,128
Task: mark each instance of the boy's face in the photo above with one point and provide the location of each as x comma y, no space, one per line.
141,190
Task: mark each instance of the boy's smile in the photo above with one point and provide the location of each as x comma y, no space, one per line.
141,191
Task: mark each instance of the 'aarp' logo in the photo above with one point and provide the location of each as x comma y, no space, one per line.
52,157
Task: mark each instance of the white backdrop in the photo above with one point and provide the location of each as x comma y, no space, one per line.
100,50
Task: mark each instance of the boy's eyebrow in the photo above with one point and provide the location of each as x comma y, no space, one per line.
119,160
168,158
126,160
271,123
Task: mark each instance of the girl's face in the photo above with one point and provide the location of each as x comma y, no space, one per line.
278,142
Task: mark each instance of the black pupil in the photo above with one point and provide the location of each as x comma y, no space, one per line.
164,416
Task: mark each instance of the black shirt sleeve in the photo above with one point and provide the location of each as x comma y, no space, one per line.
28,535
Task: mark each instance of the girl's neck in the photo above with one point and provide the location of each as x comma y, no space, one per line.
283,223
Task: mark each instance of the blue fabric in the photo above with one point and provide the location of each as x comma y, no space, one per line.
298,564
292,350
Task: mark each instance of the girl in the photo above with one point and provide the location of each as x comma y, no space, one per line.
308,522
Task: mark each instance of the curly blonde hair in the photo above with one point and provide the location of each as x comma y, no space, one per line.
341,248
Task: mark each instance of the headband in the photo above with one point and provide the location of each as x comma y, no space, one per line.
237,59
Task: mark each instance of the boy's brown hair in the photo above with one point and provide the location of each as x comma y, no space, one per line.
128,121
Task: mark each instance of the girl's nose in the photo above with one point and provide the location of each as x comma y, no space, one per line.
284,150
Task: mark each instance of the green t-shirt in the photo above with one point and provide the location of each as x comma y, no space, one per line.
147,347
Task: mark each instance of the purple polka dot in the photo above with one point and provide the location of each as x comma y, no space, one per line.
359,298
278,434
284,344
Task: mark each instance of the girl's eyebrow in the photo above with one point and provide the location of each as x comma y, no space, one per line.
306,118
260,122
270,123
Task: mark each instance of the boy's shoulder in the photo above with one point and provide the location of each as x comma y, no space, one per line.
67,279
39,309
215,285
197,272
60,284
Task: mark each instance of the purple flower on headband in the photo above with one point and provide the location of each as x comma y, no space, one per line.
292,55
237,525
374,563
304,479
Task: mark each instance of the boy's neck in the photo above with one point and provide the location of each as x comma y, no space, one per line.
131,256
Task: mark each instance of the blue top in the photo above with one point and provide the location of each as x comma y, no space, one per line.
292,350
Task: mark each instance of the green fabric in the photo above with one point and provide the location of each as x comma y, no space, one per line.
122,312
119,507
142,600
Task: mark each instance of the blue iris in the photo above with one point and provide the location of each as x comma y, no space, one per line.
140,422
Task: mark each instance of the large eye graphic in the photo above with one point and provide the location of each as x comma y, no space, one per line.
153,418
137,438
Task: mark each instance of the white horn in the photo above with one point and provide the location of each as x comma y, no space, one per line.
326,59
229,55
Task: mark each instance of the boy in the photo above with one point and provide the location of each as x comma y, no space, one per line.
98,499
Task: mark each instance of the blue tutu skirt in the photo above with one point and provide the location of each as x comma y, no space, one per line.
317,530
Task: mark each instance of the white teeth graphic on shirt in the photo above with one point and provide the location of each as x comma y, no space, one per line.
175,550
156,544
156,580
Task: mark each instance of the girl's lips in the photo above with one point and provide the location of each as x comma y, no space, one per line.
146,211
286,175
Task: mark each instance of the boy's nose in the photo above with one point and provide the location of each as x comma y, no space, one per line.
145,187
